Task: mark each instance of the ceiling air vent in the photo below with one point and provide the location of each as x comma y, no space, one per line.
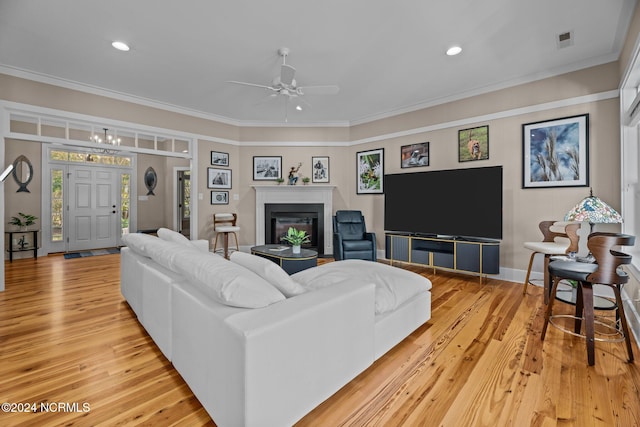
564,39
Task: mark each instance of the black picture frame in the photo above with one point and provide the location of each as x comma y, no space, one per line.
473,144
320,169
218,158
219,197
370,171
267,168
555,153
218,178
414,155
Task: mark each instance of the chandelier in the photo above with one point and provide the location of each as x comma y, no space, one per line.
107,140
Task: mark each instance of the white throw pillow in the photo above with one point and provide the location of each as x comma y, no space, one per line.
269,271
394,286
139,242
226,282
174,236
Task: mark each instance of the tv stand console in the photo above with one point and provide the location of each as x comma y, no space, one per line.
477,256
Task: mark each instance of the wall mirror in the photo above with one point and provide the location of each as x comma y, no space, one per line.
22,173
150,180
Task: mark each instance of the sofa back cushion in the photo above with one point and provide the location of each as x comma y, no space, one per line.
139,242
174,236
269,271
226,282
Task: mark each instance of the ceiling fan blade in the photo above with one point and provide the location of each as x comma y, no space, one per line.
320,90
287,73
250,84
266,99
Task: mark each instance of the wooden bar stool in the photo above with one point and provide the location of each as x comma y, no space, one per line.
559,238
225,224
605,271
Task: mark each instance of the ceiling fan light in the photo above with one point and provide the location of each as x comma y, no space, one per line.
120,46
299,107
454,50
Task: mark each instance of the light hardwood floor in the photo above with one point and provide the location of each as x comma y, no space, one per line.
67,336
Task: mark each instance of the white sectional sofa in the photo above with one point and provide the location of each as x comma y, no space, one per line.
258,347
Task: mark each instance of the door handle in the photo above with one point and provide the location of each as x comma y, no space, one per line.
113,206
113,211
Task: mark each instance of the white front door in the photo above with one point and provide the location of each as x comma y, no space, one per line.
93,211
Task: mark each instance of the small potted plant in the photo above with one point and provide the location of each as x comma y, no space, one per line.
296,238
280,180
306,180
23,220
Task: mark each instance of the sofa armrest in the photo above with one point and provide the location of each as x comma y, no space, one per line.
338,251
273,365
372,236
310,345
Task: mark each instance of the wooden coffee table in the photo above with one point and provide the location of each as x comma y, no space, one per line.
285,258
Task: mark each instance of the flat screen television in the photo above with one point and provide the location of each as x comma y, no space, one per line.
458,203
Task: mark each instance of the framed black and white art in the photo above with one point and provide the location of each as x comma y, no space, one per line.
218,178
219,197
219,159
320,169
267,168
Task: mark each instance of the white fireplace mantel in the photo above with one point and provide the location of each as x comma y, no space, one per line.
323,194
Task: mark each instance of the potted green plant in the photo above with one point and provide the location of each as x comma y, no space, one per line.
296,238
279,180
306,180
23,220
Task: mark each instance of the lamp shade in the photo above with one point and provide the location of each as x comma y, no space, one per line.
595,211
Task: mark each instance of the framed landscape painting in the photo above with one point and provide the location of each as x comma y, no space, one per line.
370,166
473,144
267,168
556,153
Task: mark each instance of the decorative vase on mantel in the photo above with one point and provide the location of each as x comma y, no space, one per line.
295,249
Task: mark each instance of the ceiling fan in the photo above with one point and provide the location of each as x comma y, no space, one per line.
285,84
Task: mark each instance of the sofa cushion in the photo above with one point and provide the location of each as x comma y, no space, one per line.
269,271
225,281
139,242
394,286
173,236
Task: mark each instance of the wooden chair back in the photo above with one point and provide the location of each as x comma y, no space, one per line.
602,246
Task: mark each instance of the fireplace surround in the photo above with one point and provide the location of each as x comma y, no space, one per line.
298,195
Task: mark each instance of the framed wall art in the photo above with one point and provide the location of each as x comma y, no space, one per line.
473,144
414,155
218,178
219,197
320,172
370,171
219,159
556,153
267,168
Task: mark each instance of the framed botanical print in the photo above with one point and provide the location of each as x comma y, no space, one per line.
267,168
320,169
370,171
218,178
556,153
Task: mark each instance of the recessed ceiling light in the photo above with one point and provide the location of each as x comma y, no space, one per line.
120,46
454,50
